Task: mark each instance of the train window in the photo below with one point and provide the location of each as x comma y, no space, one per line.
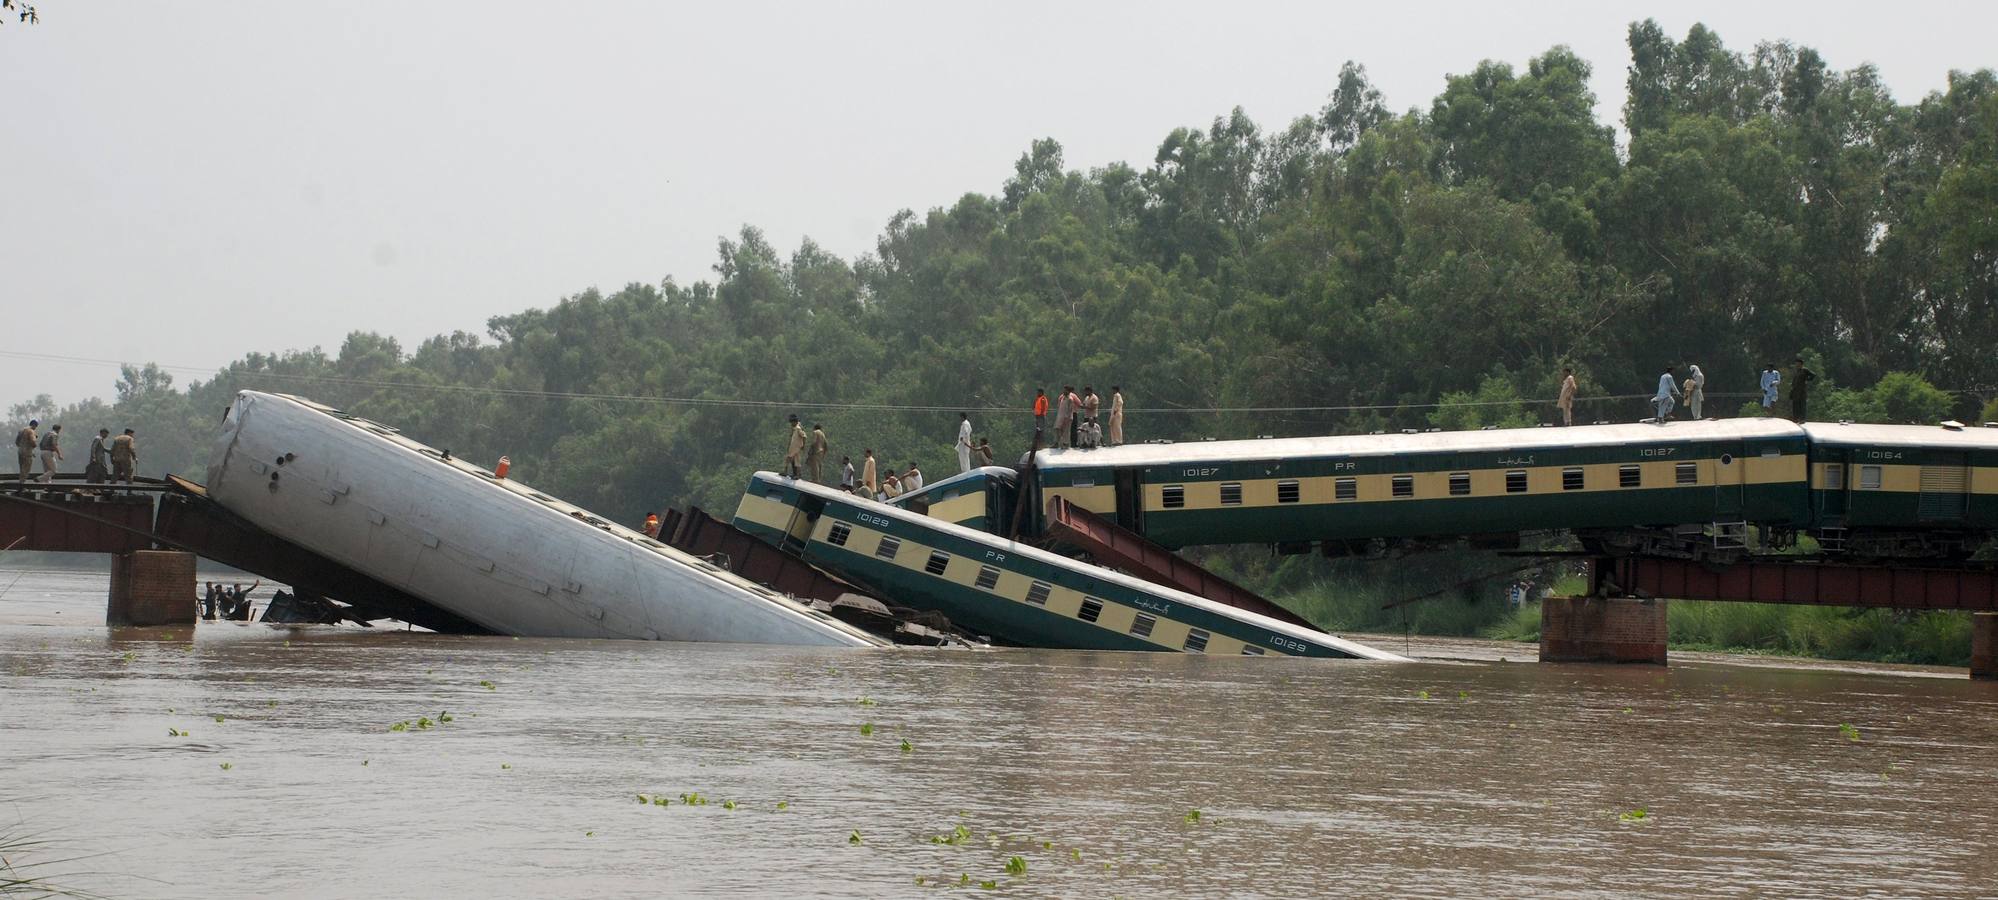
1037,593
1286,492
1869,478
1460,484
1091,610
888,547
939,561
1231,493
1687,473
987,577
1771,450
949,494
1196,641
1404,486
1515,481
1346,489
1629,476
1571,479
1251,651
1835,477
1172,496
1083,481
839,533
1142,625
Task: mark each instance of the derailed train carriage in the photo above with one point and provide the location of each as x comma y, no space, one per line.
1012,592
1692,488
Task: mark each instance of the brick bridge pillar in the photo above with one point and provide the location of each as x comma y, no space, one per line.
1984,645
1600,629
151,587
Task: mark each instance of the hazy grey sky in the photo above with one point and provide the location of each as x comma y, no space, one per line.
187,182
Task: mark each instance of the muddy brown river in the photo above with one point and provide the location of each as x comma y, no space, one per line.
245,760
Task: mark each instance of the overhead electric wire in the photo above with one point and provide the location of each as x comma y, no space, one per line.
804,404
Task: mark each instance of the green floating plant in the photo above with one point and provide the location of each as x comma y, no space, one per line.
906,746
866,729
783,805
488,685
1635,815
227,766
1016,866
1850,731
853,838
1193,817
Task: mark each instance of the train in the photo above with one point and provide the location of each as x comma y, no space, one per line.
1691,489
487,548
1009,592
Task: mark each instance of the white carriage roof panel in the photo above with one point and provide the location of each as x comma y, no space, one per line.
1505,439
1970,437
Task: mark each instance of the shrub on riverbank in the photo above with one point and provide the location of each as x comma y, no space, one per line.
1828,632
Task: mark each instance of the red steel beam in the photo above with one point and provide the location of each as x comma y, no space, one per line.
1814,583
73,522
1119,547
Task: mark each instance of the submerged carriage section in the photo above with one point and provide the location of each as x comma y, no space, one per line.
1903,489
488,549
1014,593
1444,484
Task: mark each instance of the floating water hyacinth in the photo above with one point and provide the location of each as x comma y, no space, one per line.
218,719
1421,695
1463,695
866,729
867,701
227,766
1851,732
1635,815
1016,866
783,805
728,805
1193,817
989,885
853,838
906,746
488,685
400,726
444,716
506,765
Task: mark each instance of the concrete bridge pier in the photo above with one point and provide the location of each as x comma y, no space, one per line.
1602,629
1984,646
151,588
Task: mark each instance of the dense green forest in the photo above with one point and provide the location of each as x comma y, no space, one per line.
1434,267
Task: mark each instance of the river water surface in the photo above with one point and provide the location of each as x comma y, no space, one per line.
235,760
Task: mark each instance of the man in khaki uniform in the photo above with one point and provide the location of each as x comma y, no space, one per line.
1064,416
868,478
24,448
1567,399
1116,416
51,453
816,456
795,446
124,457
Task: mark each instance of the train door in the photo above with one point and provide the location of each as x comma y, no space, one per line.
1832,487
1131,499
1731,481
803,517
1945,487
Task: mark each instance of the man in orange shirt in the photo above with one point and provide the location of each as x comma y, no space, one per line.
1040,409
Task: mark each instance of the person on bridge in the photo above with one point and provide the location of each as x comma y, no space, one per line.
984,452
124,457
1770,379
1696,391
24,447
98,470
793,446
816,456
1064,415
1040,409
1116,417
867,476
1566,402
51,453
963,442
1668,388
1800,388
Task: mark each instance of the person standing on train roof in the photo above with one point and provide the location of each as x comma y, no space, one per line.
963,443
1074,415
1566,402
1116,416
1696,391
793,446
815,455
846,473
913,481
1090,403
1800,388
867,476
1668,388
1770,379
1063,414
1040,409
984,452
